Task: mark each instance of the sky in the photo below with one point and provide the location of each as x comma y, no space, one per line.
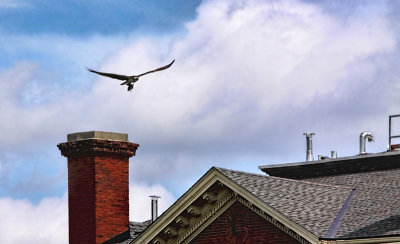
249,78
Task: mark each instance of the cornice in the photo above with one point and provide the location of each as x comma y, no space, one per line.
96,146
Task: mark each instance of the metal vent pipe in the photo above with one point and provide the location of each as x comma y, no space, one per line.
363,141
309,152
154,207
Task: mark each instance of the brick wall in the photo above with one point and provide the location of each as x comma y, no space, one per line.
112,196
81,200
240,225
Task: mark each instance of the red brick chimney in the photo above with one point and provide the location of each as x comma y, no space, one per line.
98,185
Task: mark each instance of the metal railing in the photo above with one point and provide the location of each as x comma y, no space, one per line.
390,130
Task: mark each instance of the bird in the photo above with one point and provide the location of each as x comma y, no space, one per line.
130,80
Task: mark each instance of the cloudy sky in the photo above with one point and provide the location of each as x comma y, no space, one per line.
249,78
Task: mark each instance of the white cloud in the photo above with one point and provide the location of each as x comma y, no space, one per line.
140,202
24,222
251,68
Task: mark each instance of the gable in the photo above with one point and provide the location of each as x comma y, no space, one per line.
239,224
208,199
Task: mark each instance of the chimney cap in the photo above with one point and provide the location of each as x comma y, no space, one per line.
103,135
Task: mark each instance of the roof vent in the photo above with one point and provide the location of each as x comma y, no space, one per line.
363,141
322,157
154,207
309,152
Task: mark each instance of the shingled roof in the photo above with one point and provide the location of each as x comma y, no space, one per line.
313,206
374,210
135,229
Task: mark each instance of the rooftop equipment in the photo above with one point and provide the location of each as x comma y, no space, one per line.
309,152
363,141
154,207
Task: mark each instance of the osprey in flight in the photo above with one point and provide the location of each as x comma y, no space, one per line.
130,80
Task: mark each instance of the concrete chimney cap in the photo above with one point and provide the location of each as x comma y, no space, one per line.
103,135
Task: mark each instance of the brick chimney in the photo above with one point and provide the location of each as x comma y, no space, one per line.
98,185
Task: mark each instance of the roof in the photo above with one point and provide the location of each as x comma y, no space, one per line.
313,206
261,194
135,229
374,210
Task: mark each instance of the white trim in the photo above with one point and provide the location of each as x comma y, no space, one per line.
205,224
178,207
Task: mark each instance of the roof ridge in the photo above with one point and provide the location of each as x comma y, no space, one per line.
287,179
239,171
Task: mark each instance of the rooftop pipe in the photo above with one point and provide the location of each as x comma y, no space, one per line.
310,156
154,207
363,141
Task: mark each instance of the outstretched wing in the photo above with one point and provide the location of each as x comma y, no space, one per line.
158,69
114,76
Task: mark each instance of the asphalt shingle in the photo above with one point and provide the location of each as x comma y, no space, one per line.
375,209
136,228
313,206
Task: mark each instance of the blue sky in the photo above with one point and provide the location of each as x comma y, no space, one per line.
80,19
249,78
